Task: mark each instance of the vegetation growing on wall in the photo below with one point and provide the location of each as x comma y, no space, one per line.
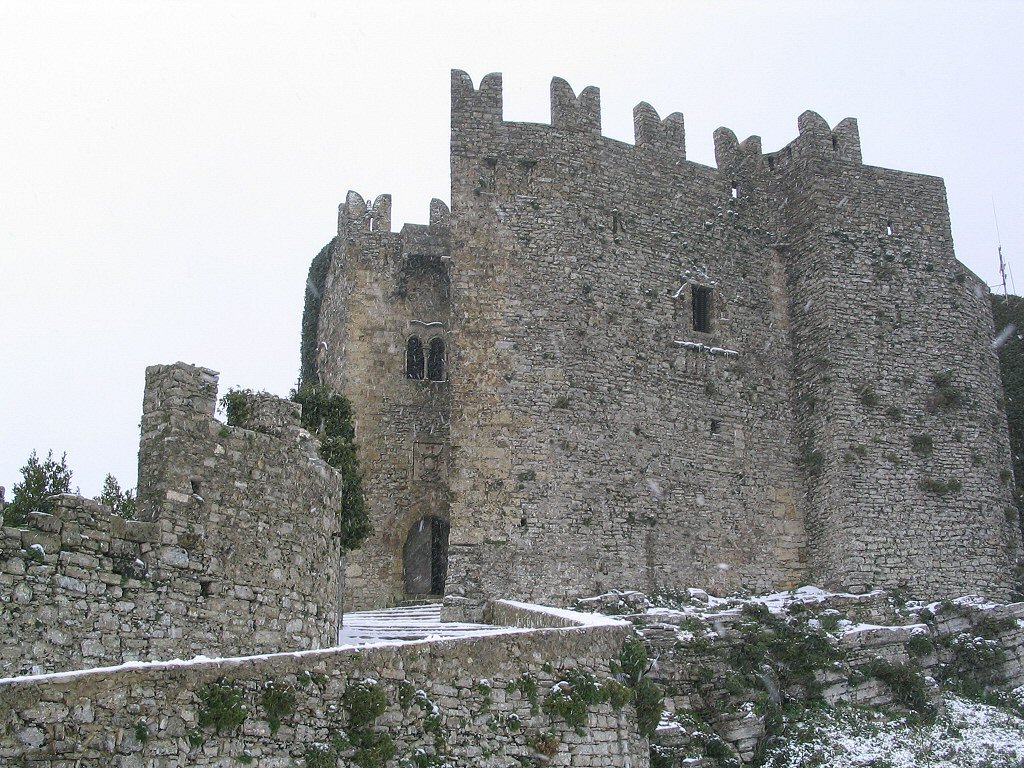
328,415
365,702
634,666
221,705
238,405
315,282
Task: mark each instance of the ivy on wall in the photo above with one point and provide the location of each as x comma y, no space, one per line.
315,282
328,415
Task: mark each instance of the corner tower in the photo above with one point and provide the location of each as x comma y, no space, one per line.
381,336
903,442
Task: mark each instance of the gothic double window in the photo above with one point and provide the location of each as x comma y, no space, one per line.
429,366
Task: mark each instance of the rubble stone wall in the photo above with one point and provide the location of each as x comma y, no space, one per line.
877,653
235,551
456,702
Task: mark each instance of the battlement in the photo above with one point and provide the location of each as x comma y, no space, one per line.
355,216
477,113
357,219
652,133
815,139
575,113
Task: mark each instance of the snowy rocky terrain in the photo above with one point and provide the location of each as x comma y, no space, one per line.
812,678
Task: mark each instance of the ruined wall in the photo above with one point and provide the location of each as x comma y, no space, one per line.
600,439
235,551
454,702
381,289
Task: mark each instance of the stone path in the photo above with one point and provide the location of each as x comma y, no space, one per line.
414,622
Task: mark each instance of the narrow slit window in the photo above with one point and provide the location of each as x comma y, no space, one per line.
888,229
735,191
435,360
414,358
701,308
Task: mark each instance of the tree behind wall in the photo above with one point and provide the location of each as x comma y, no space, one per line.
40,481
1006,311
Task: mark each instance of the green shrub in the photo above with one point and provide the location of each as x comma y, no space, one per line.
940,487
570,698
319,756
121,503
894,412
868,396
922,444
906,684
649,706
617,694
633,659
328,415
278,700
811,459
221,706
315,283
945,395
364,702
920,645
238,405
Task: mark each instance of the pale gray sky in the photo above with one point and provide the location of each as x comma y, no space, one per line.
169,169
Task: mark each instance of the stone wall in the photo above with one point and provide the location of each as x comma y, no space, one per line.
588,409
235,551
662,374
898,400
457,702
845,379
383,288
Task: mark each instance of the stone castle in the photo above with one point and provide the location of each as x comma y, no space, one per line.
605,367
608,366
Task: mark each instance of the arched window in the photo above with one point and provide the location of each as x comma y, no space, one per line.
425,556
414,358
435,360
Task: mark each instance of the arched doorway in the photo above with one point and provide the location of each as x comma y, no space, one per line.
425,556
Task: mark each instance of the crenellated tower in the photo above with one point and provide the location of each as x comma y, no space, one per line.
382,340
659,374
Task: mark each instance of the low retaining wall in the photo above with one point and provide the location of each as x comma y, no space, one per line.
460,702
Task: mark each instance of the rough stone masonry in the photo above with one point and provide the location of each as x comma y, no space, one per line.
609,366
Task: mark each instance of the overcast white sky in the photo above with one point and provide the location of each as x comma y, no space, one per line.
169,169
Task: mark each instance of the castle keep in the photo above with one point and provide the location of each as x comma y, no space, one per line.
604,368
608,366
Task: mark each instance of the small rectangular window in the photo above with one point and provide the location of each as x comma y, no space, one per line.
701,308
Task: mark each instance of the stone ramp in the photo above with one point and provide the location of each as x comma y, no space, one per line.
412,622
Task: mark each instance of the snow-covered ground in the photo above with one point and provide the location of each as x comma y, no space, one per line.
967,734
416,622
